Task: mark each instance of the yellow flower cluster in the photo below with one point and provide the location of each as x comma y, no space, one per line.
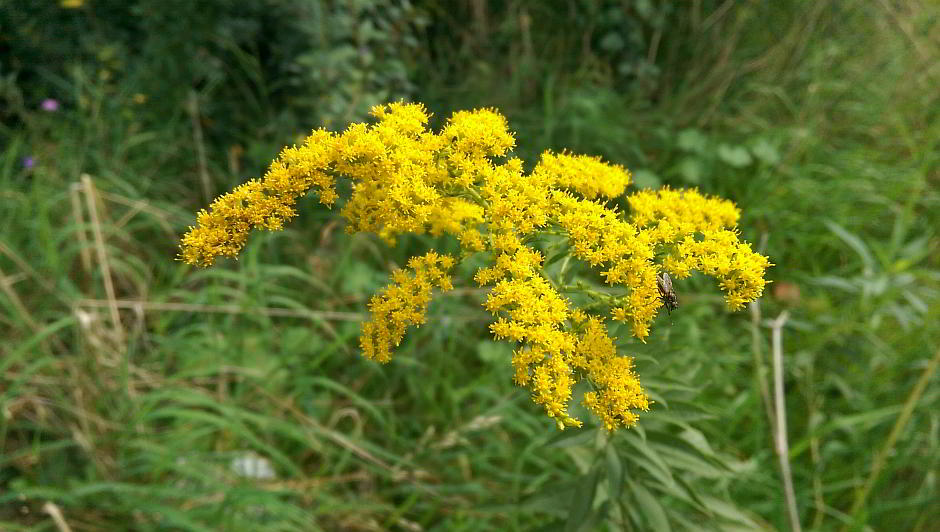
266,204
406,178
618,393
680,212
403,303
558,346
692,232
589,176
602,239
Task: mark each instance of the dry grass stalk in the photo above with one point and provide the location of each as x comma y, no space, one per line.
780,410
102,253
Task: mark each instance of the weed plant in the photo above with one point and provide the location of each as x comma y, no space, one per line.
137,393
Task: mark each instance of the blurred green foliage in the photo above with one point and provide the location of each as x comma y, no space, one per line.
820,119
260,68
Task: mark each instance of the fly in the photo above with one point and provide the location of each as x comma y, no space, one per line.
666,293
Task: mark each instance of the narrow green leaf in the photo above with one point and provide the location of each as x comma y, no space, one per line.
614,473
856,243
653,512
582,500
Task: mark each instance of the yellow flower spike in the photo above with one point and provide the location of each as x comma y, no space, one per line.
403,303
739,270
266,204
458,217
407,119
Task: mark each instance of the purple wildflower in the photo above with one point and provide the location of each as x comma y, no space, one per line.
29,163
50,105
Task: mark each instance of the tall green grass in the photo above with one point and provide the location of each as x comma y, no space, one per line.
138,406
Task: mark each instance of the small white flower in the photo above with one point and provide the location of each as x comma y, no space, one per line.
250,465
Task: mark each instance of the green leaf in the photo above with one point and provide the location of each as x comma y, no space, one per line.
560,254
651,461
614,473
581,501
646,179
570,437
734,514
736,156
682,460
552,499
654,513
691,170
693,141
854,242
696,439
765,152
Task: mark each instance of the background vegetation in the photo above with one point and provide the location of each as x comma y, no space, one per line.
138,393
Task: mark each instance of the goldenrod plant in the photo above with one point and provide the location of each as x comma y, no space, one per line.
462,181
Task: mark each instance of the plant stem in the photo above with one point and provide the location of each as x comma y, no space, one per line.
782,445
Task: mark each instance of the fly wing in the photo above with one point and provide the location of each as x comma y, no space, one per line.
664,283
667,283
666,292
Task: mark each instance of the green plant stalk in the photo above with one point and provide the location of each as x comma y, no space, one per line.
862,494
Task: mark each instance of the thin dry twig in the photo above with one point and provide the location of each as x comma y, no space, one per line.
759,369
142,205
6,285
331,315
83,247
782,445
102,253
137,304
200,146
29,270
717,15
55,513
906,28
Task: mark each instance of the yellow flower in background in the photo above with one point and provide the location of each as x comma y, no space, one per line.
71,4
462,182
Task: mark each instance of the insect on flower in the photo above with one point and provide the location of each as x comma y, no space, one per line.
666,292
